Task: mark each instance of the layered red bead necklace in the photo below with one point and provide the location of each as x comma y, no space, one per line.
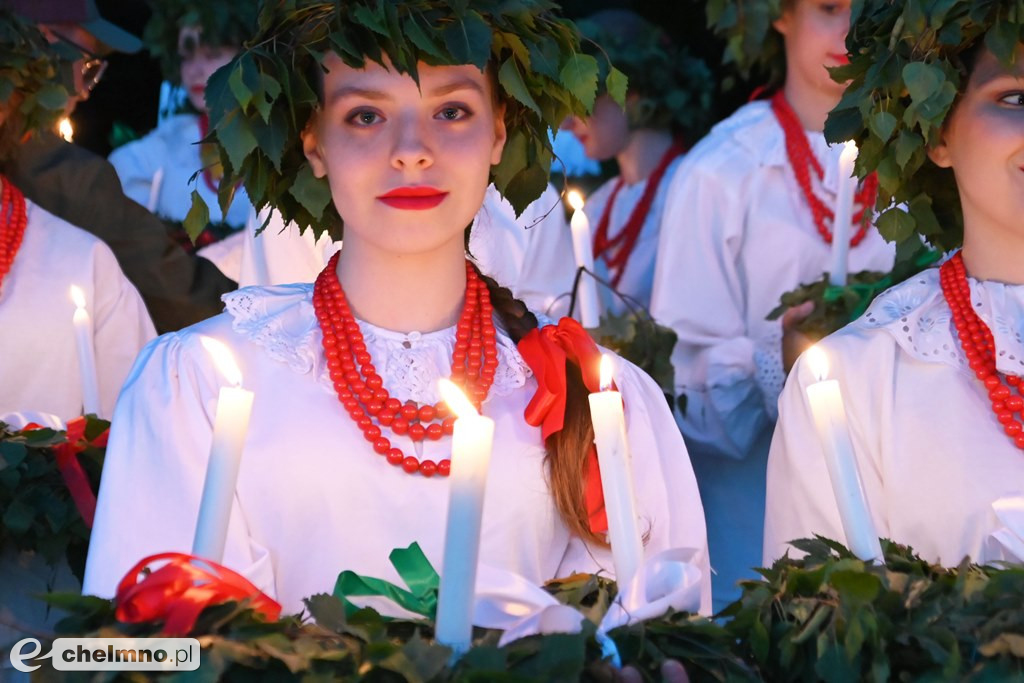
802,161
361,390
625,241
980,349
13,219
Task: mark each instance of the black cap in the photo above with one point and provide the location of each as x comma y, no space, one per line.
81,12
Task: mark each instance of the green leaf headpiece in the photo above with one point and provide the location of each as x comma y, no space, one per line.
34,76
222,23
752,45
261,101
908,70
673,89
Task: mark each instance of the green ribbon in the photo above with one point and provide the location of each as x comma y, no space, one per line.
417,573
864,292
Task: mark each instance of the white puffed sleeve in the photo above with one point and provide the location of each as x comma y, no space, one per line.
668,502
121,325
699,291
156,465
799,499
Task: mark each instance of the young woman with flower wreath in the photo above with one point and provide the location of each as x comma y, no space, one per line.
667,104
931,373
347,454
748,219
191,40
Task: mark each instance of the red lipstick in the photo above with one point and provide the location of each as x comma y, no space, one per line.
418,198
842,59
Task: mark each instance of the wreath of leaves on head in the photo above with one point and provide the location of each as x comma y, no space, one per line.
33,74
907,71
675,88
223,23
260,102
752,46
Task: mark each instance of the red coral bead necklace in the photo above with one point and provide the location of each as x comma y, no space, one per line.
980,348
802,161
361,390
13,219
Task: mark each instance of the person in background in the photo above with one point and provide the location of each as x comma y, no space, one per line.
667,105
83,188
742,225
192,40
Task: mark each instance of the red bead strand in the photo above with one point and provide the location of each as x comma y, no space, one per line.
361,390
13,220
1004,391
802,161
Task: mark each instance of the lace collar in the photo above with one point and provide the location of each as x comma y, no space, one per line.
281,320
916,314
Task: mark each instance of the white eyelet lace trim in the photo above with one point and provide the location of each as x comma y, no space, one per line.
769,374
916,314
282,322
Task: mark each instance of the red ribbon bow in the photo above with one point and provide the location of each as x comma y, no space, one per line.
71,469
179,591
546,350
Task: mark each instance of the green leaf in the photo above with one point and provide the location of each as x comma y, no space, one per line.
422,39
923,80
311,192
544,55
237,84
883,124
616,84
579,76
13,453
1002,39
198,217
236,137
372,20
843,124
856,586
468,39
52,96
907,142
512,81
17,517
895,224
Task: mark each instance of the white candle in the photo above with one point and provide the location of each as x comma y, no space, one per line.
66,130
471,457
230,426
86,355
616,477
583,249
830,420
843,215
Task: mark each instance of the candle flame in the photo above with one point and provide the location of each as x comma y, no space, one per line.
817,359
607,365
575,198
77,296
849,153
456,400
223,359
66,130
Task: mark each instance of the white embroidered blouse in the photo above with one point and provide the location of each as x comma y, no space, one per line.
313,498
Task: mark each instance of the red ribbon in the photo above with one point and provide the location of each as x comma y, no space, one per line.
71,469
546,350
179,591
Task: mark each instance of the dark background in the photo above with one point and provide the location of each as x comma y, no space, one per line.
130,90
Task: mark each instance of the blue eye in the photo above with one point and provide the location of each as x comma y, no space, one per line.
453,113
364,117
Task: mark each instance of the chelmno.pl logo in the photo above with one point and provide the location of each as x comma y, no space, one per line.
109,654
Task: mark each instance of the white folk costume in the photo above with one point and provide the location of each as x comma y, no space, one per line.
531,255
39,367
313,498
155,172
636,279
938,470
736,235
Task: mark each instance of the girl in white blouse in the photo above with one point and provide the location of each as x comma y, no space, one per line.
348,448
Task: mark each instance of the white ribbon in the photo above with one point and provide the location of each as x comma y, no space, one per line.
17,421
1006,544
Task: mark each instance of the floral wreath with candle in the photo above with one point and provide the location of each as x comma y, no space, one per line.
260,103
35,82
908,67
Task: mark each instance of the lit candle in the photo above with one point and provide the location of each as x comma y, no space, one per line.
583,249
843,215
616,477
154,190
826,404
230,425
86,355
66,130
471,456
